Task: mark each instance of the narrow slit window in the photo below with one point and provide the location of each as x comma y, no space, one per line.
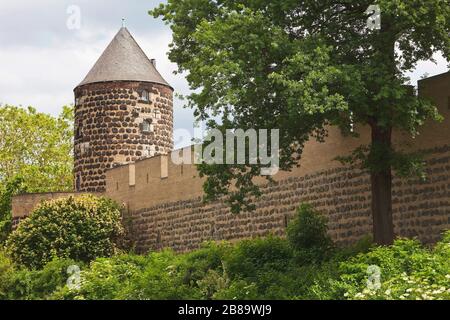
78,183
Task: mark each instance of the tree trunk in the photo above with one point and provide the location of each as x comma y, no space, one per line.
381,180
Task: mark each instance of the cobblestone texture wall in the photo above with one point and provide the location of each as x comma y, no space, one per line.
110,130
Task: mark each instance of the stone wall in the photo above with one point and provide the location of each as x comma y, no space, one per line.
164,203
115,125
163,200
420,208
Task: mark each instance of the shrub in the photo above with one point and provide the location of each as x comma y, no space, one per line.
407,270
105,278
80,228
237,290
6,273
307,234
198,263
162,279
251,257
23,284
212,283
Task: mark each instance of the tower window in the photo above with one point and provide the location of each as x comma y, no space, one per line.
147,126
144,95
78,183
78,132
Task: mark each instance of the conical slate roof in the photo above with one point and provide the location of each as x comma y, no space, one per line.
123,60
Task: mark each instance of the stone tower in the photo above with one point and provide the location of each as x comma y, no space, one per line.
123,112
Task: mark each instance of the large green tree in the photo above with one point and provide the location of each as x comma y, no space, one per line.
35,154
302,65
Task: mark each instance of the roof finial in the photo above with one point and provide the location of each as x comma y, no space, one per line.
123,22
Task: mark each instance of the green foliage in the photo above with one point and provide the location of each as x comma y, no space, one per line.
36,147
6,273
157,276
307,234
234,272
237,290
80,228
199,262
105,278
162,279
19,283
35,155
407,271
306,265
252,257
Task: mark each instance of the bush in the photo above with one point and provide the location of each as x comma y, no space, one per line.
6,273
162,279
251,257
22,284
307,234
81,229
407,270
237,290
198,263
262,268
105,279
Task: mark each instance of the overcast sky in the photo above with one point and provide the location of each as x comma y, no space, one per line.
42,60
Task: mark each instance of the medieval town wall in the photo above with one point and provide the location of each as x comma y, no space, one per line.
163,201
